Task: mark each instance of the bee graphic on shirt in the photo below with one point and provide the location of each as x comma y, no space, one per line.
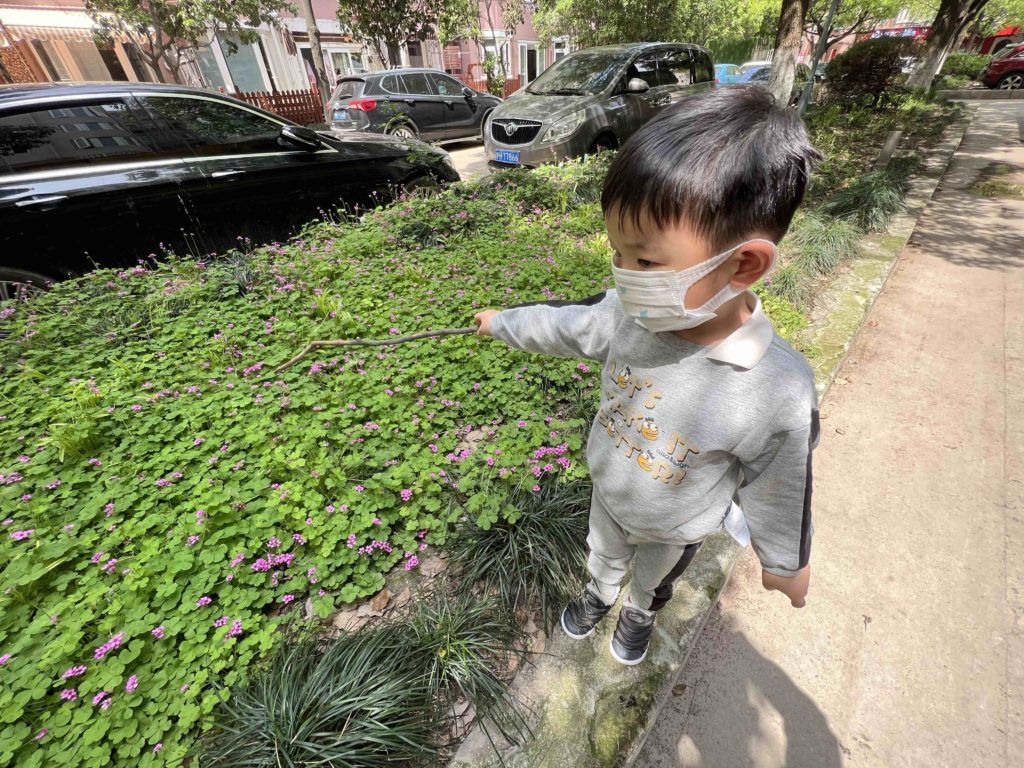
645,461
649,429
624,377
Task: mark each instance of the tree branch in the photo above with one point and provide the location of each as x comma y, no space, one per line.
370,343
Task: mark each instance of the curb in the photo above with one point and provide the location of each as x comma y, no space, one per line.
590,712
964,94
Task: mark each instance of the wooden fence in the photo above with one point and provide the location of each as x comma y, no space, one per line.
302,107
511,85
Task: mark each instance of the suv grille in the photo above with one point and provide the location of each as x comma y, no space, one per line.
514,131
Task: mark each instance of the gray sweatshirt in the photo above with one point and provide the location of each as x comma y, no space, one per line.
684,430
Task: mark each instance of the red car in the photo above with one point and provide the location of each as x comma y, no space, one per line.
1005,70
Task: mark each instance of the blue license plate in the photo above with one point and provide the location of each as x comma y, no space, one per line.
510,156
341,114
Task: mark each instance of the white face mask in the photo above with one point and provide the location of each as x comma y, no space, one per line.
656,298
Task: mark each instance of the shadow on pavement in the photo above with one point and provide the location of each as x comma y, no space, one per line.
753,717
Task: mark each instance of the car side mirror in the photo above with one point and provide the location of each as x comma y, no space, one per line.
300,137
637,85
468,92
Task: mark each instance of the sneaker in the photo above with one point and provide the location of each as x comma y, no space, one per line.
581,615
632,636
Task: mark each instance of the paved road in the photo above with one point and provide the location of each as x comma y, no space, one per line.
910,649
469,158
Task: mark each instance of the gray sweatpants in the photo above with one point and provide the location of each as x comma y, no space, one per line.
655,567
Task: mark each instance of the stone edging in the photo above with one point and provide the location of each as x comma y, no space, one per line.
972,94
590,711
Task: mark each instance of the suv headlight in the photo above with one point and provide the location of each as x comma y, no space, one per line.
565,127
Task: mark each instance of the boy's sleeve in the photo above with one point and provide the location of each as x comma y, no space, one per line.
776,498
575,330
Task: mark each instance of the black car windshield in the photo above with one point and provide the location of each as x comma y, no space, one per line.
580,74
1004,52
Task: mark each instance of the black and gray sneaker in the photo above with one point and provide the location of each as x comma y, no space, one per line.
581,615
632,636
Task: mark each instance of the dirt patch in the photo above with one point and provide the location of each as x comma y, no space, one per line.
999,180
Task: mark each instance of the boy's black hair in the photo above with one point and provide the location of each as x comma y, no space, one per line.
727,163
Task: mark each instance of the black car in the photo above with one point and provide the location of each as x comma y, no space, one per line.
424,103
101,175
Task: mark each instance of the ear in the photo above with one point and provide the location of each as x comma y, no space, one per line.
752,261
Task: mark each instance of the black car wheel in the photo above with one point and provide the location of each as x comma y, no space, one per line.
421,186
402,130
603,143
19,284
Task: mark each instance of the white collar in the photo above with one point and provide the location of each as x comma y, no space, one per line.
747,344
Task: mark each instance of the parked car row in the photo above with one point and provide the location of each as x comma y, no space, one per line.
106,174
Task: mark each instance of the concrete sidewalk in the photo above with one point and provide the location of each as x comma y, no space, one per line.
910,649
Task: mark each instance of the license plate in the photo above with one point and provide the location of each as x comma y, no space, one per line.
510,156
341,114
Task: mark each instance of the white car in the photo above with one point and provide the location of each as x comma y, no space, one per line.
749,65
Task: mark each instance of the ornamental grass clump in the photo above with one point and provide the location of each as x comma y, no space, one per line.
816,244
536,561
869,202
349,701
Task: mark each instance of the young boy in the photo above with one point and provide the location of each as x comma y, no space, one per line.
701,402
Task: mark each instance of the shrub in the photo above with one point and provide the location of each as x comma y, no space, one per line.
868,72
961,65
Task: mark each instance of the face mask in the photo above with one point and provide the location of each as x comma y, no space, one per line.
655,298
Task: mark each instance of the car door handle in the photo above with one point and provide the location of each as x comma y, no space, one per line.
410,102
227,172
449,102
40,200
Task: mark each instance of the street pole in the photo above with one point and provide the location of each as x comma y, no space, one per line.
819,50
318,57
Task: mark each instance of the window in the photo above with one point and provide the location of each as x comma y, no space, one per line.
703,70
646,68
416,84
43,139
678,67
446,86
392,84
211,127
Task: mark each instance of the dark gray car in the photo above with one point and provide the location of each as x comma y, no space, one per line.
593,99
411,103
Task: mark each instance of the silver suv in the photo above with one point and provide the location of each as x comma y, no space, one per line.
593,99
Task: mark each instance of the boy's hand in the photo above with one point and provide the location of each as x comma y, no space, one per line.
794,587
483,321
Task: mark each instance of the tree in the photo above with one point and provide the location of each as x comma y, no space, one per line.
851,17
600,22
164,29
787,46
388,24
323,84
952,18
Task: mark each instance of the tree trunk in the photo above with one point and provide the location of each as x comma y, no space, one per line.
819,50
952,17
787,46
318,57
394,53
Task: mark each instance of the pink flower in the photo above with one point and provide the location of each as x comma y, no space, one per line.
297,538
158,632
360,488
204,600
106,703
4,659
237,559
132,684
19,535
221,621
192,540
110,645
158,746
330,508
99,697
198,441
273,542
110,565
74,671
69,694
236,629
109,509
376,521
287,599
96,557
39,736
536,488
411,563
351,540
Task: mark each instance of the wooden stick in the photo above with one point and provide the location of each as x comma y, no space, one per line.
370,343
